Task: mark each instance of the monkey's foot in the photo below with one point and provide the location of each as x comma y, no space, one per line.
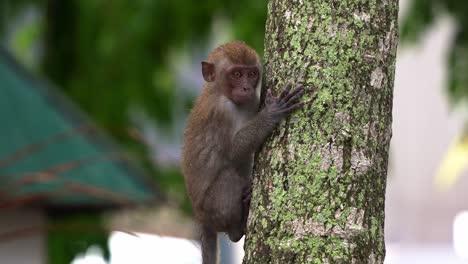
247,196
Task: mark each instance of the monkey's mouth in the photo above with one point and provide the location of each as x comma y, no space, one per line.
242,99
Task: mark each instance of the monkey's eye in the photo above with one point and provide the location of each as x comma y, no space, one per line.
252,74
237,74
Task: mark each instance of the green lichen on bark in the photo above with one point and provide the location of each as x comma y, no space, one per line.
319,182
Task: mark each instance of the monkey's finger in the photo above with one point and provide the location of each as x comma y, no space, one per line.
296,91
247,192
291,108
285,91
246,198
295,97
268,97
246,201
269,93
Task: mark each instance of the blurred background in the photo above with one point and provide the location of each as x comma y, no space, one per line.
93,101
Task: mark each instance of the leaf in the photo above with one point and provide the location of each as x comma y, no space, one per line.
420,16
453,164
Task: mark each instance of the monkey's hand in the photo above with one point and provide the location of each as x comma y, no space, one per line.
280,106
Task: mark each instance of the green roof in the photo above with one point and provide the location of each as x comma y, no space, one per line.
51,154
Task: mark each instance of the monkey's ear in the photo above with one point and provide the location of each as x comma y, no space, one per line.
208,71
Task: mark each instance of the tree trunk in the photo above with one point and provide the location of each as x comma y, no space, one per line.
319,182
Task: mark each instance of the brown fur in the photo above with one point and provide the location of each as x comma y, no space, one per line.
220,139
236,52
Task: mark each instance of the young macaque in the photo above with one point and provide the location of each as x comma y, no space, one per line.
224,129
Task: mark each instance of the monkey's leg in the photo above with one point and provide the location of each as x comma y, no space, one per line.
246,198
226,204
209,243
239,223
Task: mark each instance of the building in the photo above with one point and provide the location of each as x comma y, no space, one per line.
53,162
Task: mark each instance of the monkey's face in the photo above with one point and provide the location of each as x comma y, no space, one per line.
241,81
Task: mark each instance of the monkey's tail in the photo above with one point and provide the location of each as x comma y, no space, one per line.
209,245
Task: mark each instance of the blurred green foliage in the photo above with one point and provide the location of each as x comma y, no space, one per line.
422,14
116,57
112,57
72,234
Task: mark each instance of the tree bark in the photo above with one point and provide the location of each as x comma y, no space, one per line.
319,181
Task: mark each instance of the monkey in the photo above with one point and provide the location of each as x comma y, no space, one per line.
224,129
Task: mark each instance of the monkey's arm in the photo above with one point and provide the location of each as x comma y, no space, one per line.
253,133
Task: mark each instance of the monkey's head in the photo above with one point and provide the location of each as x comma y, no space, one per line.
235,69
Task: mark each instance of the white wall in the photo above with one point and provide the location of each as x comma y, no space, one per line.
424,126
25,249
